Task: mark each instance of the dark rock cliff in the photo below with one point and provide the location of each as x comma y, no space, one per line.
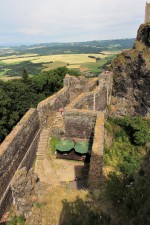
131,69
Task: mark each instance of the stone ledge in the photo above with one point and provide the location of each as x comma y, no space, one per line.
26,119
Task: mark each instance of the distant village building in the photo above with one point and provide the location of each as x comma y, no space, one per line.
147,13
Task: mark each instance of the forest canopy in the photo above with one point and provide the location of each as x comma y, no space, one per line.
18,95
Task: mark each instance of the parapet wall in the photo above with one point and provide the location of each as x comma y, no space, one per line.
18,149
95,99
106,82
96,164
59,100
73,87
79,85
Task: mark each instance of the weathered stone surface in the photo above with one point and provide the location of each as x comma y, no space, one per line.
53,103
131,89
79,124
23,191
147,12
15,146
96,163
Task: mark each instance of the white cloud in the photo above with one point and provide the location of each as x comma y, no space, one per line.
66,19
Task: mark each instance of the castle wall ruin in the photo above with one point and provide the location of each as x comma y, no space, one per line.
147,13
17,150
96,164
53,103
84,102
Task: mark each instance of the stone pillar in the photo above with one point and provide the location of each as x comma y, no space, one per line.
147,13
96,163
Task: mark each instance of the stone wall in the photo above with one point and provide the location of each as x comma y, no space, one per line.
106,82
73,87
96,163
53,103
79,124
97,99
86,101
17,150
79,85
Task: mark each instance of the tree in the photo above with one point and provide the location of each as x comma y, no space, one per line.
25,75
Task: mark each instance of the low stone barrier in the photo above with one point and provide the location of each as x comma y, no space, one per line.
96,163
27,162
18,147
53,103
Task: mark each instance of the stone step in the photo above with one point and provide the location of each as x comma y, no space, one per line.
42,145
41,149
45,133
43,142
40,157
39,154
44,136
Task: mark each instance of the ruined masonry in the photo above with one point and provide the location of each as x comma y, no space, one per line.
85,102
147,13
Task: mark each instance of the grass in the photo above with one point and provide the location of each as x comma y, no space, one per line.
73,61
74,66
5,78
97,67
2,73
123,156
53,205
54,65
18,56
53,143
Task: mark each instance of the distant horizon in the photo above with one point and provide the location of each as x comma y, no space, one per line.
69,42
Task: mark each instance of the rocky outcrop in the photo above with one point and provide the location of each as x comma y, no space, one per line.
131,86
24,188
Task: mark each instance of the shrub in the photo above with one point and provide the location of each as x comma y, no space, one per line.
16,220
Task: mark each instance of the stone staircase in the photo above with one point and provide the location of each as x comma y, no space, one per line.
43,142
43,167
57,128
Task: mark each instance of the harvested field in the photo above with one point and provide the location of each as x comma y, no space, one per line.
66,58
54,65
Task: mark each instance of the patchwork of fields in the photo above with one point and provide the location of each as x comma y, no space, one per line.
81,62
67,58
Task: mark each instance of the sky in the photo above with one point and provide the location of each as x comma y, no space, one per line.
45,21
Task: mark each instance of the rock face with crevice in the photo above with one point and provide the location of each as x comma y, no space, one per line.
131,86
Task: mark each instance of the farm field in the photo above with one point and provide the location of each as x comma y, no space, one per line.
66,58
11,67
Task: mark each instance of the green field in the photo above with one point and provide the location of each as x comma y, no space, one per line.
12,66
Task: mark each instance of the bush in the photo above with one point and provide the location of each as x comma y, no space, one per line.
16,220
124,154
136,128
